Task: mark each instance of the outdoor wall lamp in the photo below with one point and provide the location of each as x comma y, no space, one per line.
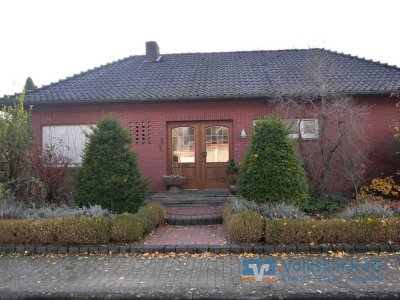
243,134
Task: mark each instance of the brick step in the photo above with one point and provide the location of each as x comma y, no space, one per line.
193,214
204,197
194,220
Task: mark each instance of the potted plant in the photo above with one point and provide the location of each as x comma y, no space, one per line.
232,172
175,180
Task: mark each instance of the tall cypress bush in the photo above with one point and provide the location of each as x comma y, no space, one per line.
271,171
110,175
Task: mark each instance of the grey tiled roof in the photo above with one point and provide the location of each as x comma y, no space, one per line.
243,74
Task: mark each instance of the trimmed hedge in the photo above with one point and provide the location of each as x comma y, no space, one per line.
151,216
245,227
82,230
67,230
333,231
126,228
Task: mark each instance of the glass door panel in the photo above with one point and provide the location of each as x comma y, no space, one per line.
217,144
183,145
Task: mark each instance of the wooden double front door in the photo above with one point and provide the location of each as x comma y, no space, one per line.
200,151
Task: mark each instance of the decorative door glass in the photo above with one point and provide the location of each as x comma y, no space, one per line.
217,144
183,145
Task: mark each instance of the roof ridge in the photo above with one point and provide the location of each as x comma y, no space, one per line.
376,62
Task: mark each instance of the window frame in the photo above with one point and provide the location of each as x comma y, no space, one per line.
300,126
74,161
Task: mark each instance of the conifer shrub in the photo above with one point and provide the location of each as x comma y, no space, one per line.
110,175
271,171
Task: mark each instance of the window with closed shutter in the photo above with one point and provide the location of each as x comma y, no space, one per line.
68,140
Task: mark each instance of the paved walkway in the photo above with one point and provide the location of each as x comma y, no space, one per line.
188,235
198,277
193,210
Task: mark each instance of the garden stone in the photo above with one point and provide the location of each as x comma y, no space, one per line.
395,247
52,249
137,248
303,248
30,249
147,249
93,249
373,248
348,248
202,248
224,249
326,248
360,248
181,248
73,250
41,250
215,249
384,247
170,248
269,249
236,249
337,248
258,249
114,249
103,249
279,249
62,250
192,249
7,249
247,248
124,249
20,249
291,249
84,249
315,249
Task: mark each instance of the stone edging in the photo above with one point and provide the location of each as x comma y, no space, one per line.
216,249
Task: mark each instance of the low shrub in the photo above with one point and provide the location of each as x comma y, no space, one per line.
330,205
68,230
151,216
13,209
126,228
367,209
362,230
278,210
245,227
386,187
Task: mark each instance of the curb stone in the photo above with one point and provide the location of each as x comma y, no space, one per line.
216,249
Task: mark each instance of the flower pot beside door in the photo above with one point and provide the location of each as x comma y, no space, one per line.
174,182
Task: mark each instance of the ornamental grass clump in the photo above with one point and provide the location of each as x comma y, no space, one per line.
278,210
271,171
367,209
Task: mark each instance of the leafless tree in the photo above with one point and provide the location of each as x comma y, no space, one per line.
338,154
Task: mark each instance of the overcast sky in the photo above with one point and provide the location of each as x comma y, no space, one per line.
50,40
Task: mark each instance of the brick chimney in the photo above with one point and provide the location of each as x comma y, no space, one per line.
152,51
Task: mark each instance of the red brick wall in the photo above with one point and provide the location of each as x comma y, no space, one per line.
153,157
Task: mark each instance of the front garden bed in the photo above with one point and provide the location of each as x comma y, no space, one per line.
82,230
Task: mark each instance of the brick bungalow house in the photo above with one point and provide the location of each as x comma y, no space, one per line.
198,109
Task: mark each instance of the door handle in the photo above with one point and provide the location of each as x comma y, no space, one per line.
204,154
